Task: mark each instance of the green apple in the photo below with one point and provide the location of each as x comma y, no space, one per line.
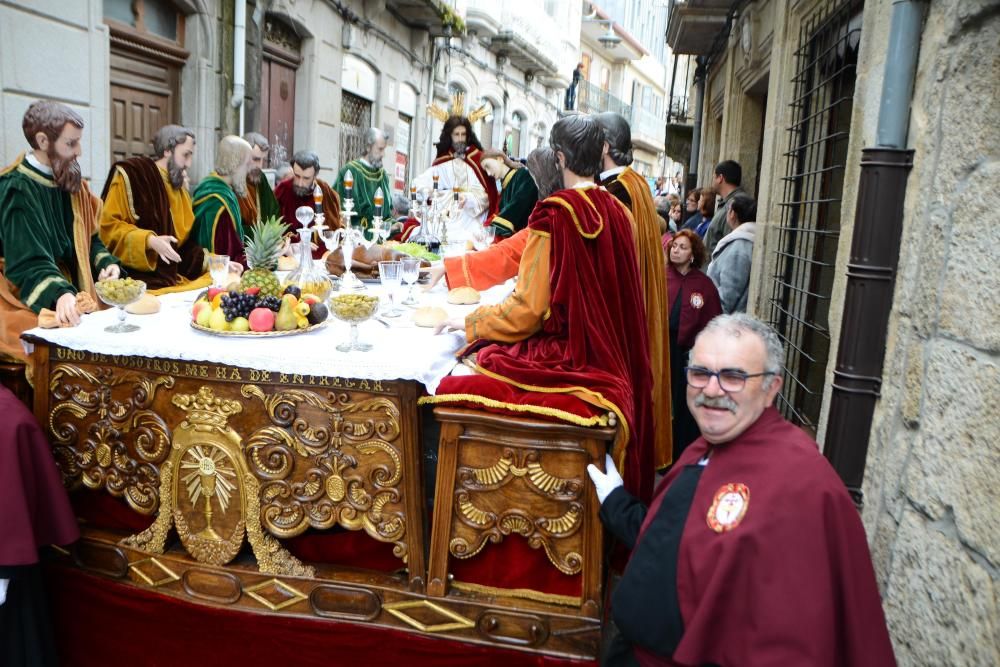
218,320
239,324
203,316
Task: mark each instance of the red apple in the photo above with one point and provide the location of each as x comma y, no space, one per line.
311,298
261,319
212,291
198,307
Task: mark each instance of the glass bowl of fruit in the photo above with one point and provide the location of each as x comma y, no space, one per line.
120,292
354,308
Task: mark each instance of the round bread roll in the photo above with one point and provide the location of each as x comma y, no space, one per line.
146,305
429,316
286,263
463,296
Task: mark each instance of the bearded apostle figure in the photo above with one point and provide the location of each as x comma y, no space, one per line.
577,283
258,203
50,251
300,190
218,226
458,171
147,215
369,175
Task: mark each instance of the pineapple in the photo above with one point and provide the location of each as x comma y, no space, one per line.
263,247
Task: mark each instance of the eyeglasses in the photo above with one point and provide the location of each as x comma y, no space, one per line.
730,380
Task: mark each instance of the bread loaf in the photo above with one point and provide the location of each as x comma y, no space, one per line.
146,305
463,296
429,316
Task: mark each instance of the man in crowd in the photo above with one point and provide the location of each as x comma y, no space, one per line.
727,179
631,189
751,552
147,216
458,170
299,191
368,176
258,203
218,225
578,282
50,252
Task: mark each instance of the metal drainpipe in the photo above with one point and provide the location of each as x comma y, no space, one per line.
871,271
699,94
239,60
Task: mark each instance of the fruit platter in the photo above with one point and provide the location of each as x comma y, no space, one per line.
257,305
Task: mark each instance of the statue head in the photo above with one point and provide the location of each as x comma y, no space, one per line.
578,142
173,150
259,149
618,136
305,168
375,142
544,169
232,162
456,137
54,131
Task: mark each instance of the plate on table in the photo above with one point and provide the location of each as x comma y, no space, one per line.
259,334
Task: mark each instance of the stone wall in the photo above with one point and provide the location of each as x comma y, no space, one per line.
934,459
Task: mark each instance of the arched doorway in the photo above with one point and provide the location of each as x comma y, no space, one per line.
360,86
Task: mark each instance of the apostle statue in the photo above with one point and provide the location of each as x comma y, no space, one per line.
50,250
457,172
301,190
633,191
147,215
368,176
518,192
218,225
258,203
578,282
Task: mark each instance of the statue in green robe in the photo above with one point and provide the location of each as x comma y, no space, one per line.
368,176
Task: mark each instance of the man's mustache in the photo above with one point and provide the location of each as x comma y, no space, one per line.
715,402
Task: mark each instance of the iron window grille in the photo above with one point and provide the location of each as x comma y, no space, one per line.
355,119
799,305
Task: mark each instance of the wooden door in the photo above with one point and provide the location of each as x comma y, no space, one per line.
135,116
278,108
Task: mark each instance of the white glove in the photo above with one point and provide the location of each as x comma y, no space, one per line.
605,483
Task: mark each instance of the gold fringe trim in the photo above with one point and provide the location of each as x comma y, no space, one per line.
35,176
576,221
128,194
506,179
599,420
503,222
523,593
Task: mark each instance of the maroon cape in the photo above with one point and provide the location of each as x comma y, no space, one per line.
595,336
288,202
474,157
792,583
34,509
699,302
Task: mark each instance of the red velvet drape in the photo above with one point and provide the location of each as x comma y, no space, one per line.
101,623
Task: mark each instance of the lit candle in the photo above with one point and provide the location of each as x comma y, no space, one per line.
436,177
318,198
455,194
413,193
348,183
378,201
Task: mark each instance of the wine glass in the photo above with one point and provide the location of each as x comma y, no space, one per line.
218,268
120,292
353,308
483,237
391,274
411,271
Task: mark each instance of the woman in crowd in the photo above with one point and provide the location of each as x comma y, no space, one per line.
692,301
691,211
730,268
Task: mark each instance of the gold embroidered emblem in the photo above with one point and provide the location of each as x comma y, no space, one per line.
728,507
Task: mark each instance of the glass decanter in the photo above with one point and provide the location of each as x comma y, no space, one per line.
309,277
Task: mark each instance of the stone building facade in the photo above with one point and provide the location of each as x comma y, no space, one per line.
793,92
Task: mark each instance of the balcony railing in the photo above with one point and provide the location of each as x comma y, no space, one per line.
647,128
591,99
678,112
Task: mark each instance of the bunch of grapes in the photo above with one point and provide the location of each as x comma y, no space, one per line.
269,302
236,304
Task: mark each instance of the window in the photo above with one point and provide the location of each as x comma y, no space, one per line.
485,130
808,234
517,130
355,119
156,17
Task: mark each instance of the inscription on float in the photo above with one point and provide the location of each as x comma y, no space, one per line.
214,372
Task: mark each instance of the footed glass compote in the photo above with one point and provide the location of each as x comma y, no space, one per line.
120,292
411,272
347,238
354,308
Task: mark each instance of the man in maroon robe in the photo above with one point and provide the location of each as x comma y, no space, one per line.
570,341
300,190
34,512
751,552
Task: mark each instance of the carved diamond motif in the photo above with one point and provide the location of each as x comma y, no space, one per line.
169,575
459,622
275,594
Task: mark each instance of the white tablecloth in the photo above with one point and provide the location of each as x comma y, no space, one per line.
401,351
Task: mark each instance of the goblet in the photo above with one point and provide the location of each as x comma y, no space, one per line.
390,275
120,292
353,308
218,268
483,238
411,271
